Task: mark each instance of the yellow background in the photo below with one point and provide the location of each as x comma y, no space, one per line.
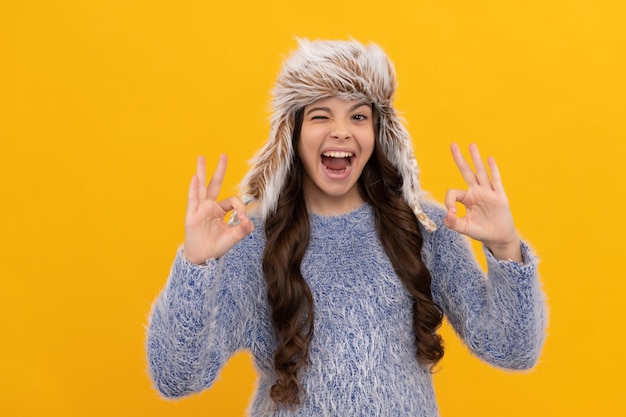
104,106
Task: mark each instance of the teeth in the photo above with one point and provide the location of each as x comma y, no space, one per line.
334,154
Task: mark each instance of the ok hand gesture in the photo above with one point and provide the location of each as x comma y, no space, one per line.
488,217
207,235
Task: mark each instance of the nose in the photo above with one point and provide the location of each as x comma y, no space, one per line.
340,130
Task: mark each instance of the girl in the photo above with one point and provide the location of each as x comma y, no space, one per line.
339,277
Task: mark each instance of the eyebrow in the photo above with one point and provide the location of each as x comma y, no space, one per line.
327,109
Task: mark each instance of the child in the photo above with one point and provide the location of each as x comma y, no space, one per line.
339,277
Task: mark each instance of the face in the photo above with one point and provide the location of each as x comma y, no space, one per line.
336,141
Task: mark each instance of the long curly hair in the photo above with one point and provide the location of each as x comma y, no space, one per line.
292,306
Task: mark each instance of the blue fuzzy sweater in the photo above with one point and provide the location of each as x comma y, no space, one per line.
363,355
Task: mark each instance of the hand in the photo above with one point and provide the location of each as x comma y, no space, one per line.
207,235
488,217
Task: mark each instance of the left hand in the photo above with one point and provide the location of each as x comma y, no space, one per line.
488,217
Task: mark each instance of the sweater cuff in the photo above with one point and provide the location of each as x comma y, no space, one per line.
187,279
528,267
211,263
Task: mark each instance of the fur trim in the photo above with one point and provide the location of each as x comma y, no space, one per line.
318,70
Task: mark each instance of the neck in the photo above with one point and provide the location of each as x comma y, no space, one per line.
332,202
333,206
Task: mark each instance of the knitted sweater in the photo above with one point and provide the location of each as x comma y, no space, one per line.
362,355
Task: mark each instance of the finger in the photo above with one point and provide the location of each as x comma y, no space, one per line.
496,179
452,220
215,185
481,172
462,165
201,174
243,225
192,195
452,197
233,203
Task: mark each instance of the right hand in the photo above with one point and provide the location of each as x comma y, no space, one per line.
207,235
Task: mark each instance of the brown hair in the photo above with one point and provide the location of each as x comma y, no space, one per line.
289,296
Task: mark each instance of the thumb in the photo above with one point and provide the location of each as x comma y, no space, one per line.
246,226
241,225
452,221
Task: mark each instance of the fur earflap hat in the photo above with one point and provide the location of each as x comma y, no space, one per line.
318,70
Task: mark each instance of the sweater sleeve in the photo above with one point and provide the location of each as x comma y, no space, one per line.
502,316
194,327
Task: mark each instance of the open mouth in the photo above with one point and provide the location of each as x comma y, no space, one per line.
337,161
